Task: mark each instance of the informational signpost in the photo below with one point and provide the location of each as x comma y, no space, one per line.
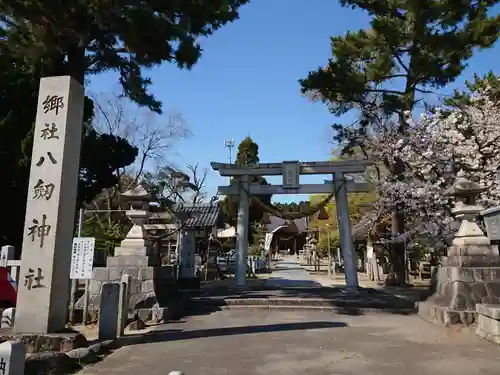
82,258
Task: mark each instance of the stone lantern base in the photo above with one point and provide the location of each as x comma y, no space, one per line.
469,275
152,287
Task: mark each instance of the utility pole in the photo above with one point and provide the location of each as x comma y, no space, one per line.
229,144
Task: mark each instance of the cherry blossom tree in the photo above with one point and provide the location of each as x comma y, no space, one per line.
438,145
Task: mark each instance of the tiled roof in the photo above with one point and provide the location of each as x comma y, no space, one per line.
276,222
199,215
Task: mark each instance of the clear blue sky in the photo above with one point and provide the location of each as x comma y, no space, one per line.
246,83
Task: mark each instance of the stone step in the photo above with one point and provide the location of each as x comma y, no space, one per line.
343,310
340,305
280,301
302,301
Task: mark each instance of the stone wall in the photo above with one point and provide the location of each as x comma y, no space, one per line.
150,289
488,325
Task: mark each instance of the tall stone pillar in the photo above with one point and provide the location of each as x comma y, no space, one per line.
42,300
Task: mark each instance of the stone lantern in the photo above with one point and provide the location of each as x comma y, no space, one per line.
136,242
466,209
470,273
136,261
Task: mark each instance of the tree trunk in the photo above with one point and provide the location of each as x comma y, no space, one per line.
76,63
397,266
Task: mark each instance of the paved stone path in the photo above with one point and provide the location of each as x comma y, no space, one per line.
317,343
263,342
289,273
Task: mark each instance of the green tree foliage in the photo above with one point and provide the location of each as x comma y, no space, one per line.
489,81
108,235
93,36
359,203
101,154
302,206
412,48
248,153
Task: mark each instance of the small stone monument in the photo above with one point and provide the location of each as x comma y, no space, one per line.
12,358
150,283
470,273
187,269
108,317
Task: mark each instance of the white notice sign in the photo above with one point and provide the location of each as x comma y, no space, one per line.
268,240
82,258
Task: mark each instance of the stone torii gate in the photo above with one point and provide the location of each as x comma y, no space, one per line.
291,171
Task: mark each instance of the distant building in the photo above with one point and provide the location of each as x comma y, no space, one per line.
288,234
203,218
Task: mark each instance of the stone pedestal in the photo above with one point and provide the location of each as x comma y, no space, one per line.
469,275
46,342
151,288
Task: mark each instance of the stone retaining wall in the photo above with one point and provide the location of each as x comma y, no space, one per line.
488,322
150,288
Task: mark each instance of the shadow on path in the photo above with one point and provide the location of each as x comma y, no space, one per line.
179,334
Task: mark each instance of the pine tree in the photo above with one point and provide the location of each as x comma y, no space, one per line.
412,48
248,153
83,37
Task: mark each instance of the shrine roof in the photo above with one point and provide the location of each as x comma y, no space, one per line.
199,215
277,222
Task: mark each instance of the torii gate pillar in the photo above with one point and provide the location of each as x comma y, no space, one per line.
346,242
242,232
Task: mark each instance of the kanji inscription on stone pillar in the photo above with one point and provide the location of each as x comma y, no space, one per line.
43,292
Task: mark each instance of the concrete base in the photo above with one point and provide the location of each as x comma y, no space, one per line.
150,290
488,322
38,342
189,283
468,276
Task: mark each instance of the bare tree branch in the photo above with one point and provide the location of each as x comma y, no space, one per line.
153,135
198,183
